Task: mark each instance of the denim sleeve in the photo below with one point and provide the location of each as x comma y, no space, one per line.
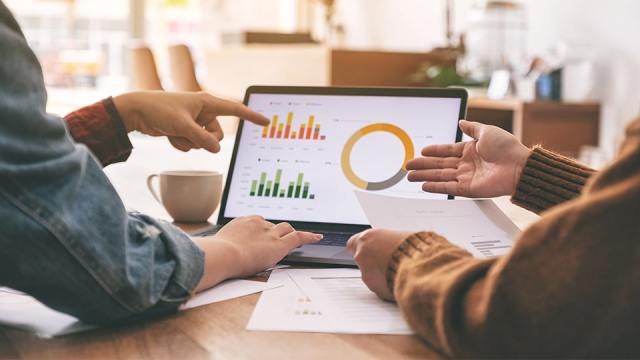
65,237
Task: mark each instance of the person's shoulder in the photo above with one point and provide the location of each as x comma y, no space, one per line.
7,19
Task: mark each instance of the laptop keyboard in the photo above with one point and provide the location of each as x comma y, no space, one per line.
334,239
329,239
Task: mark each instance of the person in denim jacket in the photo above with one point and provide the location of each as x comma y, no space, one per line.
65,236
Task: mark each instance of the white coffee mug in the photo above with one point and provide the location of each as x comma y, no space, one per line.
188,196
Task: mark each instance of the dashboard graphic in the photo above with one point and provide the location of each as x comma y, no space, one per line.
377,185
284,131
295,190
318,150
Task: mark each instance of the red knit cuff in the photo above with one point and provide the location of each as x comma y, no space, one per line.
100,127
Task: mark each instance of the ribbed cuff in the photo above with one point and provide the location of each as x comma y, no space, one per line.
549,179
124,146
419,244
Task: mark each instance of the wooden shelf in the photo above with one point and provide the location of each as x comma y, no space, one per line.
560,126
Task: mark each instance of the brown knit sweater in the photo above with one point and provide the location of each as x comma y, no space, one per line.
569,288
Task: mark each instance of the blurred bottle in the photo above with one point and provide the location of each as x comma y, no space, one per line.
496,39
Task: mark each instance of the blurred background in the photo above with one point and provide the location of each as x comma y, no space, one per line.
563,73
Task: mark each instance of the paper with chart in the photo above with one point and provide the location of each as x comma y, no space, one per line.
479,226
325,300
22,311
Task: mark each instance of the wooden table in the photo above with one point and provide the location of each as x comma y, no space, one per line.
211,331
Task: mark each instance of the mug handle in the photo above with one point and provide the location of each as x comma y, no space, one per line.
151,189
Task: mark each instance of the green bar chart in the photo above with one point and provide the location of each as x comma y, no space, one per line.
298,189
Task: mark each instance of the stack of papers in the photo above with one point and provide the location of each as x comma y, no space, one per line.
325,300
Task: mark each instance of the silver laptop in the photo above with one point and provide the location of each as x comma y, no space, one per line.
325,143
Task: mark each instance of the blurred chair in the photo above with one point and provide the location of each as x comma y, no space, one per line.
182,69
144,72
183,76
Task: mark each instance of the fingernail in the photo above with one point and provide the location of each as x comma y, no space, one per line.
319,236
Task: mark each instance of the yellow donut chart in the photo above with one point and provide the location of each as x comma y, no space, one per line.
380,185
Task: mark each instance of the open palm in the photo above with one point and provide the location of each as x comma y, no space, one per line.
488,166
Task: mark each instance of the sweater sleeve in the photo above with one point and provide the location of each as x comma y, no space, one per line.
549,179
568,288
101,129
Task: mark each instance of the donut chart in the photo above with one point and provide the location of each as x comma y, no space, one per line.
379,185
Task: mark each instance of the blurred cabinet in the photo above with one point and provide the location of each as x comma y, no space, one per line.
231,70
562,127
380,68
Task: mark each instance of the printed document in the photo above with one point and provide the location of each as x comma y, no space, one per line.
325,300
478,226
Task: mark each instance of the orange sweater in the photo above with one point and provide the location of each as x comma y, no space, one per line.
570,286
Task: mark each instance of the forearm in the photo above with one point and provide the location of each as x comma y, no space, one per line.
101,264
549,179
421,273
220,262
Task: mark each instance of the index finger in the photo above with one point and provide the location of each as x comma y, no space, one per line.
296,238
226,107
351,243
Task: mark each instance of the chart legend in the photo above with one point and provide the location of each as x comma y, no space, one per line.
298,189
280,130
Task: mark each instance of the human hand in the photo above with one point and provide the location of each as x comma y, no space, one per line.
372,250
248,245
189,120
488,166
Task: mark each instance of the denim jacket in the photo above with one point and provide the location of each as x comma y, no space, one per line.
65,237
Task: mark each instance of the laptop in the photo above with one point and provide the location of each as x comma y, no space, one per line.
323,145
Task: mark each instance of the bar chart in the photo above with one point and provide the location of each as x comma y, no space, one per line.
280,130
298,189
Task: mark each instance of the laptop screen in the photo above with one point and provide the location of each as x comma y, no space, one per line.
319,149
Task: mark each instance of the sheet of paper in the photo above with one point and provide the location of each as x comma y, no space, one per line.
325,300
22,311
229,289
479,226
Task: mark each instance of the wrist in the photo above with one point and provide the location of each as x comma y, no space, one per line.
232,254
129,112
220,262
522,155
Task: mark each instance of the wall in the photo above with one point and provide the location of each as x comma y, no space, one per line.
608,32
611,30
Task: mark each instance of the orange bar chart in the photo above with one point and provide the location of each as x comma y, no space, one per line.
278,130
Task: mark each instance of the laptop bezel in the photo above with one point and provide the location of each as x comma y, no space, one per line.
340,91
